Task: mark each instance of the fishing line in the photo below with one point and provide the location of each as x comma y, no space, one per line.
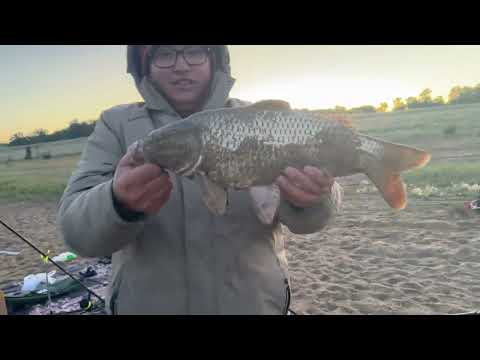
47,258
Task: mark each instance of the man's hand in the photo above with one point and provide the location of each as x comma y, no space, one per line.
305,188
145,188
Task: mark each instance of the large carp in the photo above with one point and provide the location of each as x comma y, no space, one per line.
249,147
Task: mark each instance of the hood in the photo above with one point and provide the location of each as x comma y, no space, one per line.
222,81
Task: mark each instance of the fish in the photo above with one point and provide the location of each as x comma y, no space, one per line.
248,147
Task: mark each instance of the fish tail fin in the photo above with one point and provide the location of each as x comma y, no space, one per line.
383,162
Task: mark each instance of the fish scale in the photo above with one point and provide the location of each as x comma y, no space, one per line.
243,142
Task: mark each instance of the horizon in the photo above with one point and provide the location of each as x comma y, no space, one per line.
49,86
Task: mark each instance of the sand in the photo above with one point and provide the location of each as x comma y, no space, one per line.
370,260
36,222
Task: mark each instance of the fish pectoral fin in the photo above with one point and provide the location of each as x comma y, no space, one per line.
274,105
214,196
265,201
135,152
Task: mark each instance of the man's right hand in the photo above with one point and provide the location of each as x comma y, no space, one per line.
145,188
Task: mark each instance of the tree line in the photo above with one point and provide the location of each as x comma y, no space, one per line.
75,130
457,95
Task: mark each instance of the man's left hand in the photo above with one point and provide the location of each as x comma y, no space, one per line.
305,188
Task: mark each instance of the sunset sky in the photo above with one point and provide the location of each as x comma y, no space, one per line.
48,86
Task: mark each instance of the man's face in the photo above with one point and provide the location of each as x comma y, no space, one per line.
182,77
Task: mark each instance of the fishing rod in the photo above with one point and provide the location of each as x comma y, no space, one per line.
45,256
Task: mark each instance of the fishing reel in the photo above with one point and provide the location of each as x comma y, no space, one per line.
93,307
86,303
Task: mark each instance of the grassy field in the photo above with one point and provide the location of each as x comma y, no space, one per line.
54,149
36,179
455,153
39,178
444,174
429,129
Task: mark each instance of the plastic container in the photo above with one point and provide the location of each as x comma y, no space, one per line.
65,257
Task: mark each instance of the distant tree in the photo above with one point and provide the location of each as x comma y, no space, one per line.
454,94
18,139
383,107
425,96
40,132
475,94
438,101
340,108
363,109
398,104
464,95
39,135
75,130
412,102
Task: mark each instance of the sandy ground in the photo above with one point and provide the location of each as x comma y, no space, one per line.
370,260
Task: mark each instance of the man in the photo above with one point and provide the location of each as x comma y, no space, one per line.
170,254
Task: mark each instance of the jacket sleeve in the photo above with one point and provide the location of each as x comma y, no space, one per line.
88,218
312,219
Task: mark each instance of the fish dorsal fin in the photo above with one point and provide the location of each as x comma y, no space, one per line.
341,118
273,105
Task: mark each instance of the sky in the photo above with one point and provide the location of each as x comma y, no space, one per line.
49,86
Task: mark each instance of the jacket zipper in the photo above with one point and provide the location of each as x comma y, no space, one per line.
287,298
184,230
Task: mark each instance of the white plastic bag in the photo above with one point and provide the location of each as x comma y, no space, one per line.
34,281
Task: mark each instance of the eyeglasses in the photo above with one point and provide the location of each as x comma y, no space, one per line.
164,57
